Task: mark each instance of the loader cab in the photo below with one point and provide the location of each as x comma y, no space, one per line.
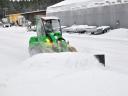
51,24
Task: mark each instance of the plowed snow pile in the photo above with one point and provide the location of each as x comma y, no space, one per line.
65,74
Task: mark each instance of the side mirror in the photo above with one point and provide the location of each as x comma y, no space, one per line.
67,42
33,28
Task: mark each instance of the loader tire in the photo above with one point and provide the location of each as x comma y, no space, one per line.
72,49
47,50
34,51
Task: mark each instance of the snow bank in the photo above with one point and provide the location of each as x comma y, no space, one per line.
43,68
62,60
87,82
61,74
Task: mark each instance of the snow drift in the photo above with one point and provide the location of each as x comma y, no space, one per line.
65,74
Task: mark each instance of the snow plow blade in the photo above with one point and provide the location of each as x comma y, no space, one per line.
36,49
72,49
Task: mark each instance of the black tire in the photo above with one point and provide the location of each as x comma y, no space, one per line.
34,51
72,49
93,33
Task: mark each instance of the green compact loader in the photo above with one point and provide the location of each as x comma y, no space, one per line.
49,37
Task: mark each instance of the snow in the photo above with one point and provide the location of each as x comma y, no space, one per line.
90,83
13,42
50,17
65,74
80,28
80,4
120,34
113,45
65,2
116,34
103,27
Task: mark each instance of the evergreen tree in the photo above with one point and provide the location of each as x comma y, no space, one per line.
26,5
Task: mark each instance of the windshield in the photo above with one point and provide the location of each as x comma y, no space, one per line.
56,25
52,26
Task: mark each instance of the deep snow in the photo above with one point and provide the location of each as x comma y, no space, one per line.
65,74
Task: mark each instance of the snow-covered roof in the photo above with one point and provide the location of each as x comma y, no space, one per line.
67,5
67,2
50,17
79,4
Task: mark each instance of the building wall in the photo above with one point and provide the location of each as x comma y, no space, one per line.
97,16
31,15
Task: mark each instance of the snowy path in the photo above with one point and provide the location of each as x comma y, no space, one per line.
57,74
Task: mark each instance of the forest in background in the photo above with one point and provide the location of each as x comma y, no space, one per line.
24,5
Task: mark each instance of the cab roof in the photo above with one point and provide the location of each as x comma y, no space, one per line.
50,18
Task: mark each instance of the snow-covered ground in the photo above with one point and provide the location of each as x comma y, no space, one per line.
61,74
